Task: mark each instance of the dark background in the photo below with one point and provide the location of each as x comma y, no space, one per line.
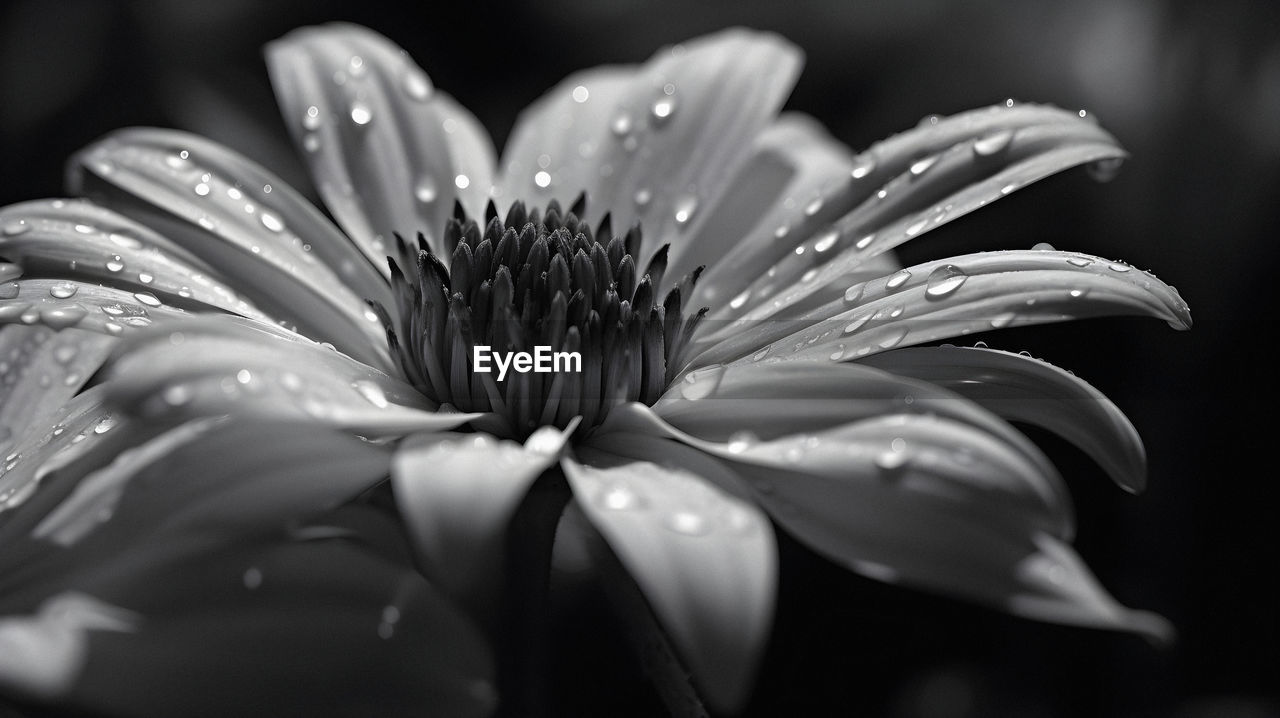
1193,91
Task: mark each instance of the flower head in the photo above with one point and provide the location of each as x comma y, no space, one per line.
758,360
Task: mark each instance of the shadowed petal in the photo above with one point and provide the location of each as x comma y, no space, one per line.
953,297
199,550
77,240
927,177
705,561
196,192
664,140
216,366
1021,388
388,152
457,493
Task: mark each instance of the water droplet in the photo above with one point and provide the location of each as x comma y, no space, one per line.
9,271
65,353
1009,188
1079,261
372,393
619,498
854,293
894,458
542,178
105,424
115,264
993,143
1077,293
863,165
663,109
9,290
145,278
687,523
760,354
462,181
856,324
1117,267
1003,320
416,85
206,222
65,290
893,338
177,395
270,221
921,166
581,94
13,229
865,241
425,190
838,354
63,317
643,196
147,298
361,114
897,280
621,125
917,227
741,299
1105,170
826,241
701,383
943,281
311,142
1042,247
202,189
813,207
685,209
740,441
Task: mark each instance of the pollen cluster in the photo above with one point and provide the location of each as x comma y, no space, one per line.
537,279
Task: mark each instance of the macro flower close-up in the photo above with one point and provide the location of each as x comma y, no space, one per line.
278,457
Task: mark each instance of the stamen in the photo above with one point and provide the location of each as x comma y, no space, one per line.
537,279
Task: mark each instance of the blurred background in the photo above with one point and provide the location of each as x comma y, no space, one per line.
1191,89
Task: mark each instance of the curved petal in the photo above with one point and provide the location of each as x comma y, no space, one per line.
198,194
78,240
215,366
952,297
61,304
663,141
795,184
705,560
1021,388
197,551
927,177
456,494
40,370
926,502
387,151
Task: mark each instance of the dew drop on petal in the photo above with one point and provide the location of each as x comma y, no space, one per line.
1079,261
462,181
856,324
63,317
760,354
9,290
1002,320
202,189
917,227
865,241
425,190
1042,247
1077,293
311,142
64,290
416,85
893,338
741,299
372,393
662,109
701,383
9,271
1105,170
147,298
1117,267
542,178
898,279
685,208
643,196
621,125
13,229
740,441
813,207
115,265
863,165
854,293
943,281
838,354
688,523
252,578
311,118
581,94
993,143
619,498
921,166
361,114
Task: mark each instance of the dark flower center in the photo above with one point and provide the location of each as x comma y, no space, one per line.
546,285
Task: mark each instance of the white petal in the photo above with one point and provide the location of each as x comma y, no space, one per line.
954,297
1021,388
205,202
930,176
705,561
388,152
456,494
216,365
91,307
663,141
77,240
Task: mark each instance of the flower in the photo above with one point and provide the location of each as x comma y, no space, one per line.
197,286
